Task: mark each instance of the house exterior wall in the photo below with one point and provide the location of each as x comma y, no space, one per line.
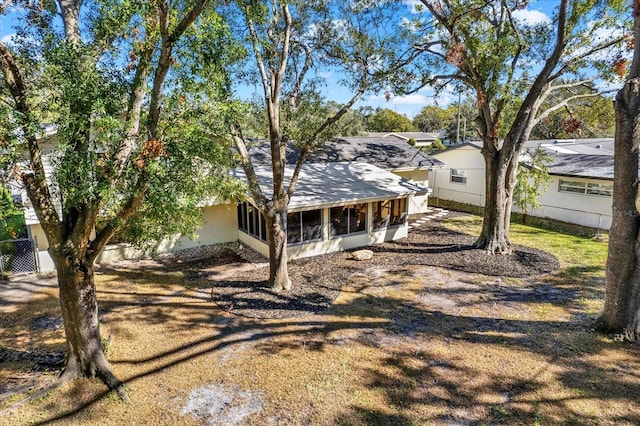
582,209
417,203
220,225
346,242
469,160
332,244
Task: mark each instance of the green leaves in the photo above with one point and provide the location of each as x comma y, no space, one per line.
532,179
103,155
386,120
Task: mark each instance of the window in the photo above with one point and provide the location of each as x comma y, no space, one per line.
251,221
348,219
242,216
458,176
572,186
389,213
304,226
263,229
398,212
605,189
591,188
294,228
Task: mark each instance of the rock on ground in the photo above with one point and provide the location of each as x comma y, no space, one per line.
362,254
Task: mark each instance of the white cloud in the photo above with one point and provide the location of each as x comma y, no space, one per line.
326,75
531,17
413,99
7,39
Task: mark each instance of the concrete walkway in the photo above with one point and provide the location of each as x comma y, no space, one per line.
433,213
22,289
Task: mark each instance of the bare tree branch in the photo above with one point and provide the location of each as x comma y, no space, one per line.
34,181
562,104
309,143
247,165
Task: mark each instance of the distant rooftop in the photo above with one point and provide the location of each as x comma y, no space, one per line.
417,136
386,153
582,165
599,146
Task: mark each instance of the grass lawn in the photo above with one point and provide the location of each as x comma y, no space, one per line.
398,347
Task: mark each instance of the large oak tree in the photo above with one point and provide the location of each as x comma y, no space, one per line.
512,66
621,313
129,153
290,44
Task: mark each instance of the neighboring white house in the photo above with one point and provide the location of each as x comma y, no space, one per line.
462,178
580,190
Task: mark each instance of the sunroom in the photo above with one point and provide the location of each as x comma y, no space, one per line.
336,206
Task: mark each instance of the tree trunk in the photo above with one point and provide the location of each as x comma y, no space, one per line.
621,312
276,220
500,177
85,353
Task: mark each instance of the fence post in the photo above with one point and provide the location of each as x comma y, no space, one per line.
1,263
36,253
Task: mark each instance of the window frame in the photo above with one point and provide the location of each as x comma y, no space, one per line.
458,174
386,221
585,188
251,218
302,230
361,207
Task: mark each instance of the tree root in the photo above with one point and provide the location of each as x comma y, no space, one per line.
492,246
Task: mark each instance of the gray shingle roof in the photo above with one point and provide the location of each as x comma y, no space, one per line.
386,153
582,165
601,146
338,183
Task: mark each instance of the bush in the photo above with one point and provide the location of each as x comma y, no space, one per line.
437,145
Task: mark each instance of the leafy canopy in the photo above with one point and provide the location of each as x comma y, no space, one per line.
104,148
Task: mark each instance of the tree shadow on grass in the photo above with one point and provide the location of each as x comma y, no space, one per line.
413,378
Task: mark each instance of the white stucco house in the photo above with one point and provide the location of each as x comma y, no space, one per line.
580,191
354,192
336,206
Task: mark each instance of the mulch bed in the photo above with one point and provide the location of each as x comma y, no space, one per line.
318,280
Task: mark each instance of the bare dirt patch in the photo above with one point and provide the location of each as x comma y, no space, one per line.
319,279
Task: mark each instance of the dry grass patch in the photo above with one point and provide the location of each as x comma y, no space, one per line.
402,344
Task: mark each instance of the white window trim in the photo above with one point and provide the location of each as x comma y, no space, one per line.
585,188
458,174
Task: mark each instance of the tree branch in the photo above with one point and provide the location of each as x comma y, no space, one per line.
35,182
562,104
284,54
247,166
136,99
258,55
309,143
571,61
133,203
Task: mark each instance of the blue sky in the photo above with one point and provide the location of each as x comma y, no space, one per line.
536,12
